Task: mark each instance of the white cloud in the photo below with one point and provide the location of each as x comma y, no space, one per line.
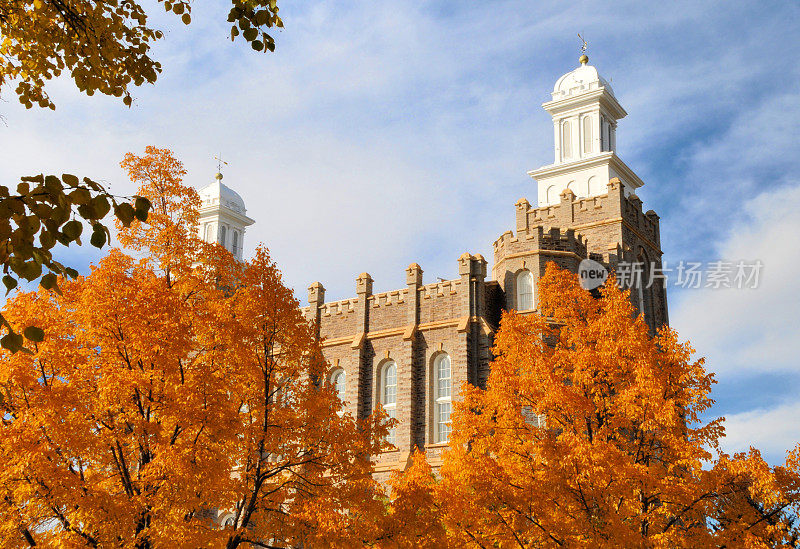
751,330
774,431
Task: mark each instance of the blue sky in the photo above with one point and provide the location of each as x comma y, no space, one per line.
382,133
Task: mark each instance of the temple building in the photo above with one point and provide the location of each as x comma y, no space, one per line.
410,349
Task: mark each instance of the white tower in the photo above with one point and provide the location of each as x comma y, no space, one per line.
585,114
222,216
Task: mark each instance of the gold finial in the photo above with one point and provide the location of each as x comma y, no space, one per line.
583,59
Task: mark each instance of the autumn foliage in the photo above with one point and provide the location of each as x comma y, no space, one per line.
178,399
590,434
175,401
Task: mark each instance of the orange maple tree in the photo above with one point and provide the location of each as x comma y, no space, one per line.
589,434
176,401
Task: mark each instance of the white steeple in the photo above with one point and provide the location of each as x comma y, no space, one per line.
222,216
585,114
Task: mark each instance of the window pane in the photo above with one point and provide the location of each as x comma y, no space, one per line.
391,436
443,422
443,377
524,291
339,384
390,384
567,140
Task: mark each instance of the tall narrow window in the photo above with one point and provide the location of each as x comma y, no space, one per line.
642,292
389,394
524,290
235,243
338,380
608,139
442,371
566,139
603,144
222,235
209,233
587,134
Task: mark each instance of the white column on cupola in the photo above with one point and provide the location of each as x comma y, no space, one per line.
585,114
223,216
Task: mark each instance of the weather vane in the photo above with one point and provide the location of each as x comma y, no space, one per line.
584,58
220,162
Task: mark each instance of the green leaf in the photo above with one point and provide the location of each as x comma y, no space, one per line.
100,206
70,179
10,283
53,184
250,34
50,282
80,196
70,272
141,208
124,213
47,239
34,334
257,45
72,229
12,342
98,239
31,270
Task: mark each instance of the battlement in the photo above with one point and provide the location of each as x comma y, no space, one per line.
539,238
585,213
417,303
386,299
339,307
442,288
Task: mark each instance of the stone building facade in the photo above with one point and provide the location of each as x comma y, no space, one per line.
410,349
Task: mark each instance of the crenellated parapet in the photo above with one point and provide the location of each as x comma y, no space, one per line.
539,239
417,304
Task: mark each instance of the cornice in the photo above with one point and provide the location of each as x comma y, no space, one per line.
599,95
607,158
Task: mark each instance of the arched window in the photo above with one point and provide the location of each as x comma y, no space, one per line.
587,134
222,235
442,376
388,388
338,381
228,522
642,292
209,237
235,243
551,194
524,290
566,139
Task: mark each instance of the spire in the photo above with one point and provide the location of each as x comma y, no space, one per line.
223,217
585,114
